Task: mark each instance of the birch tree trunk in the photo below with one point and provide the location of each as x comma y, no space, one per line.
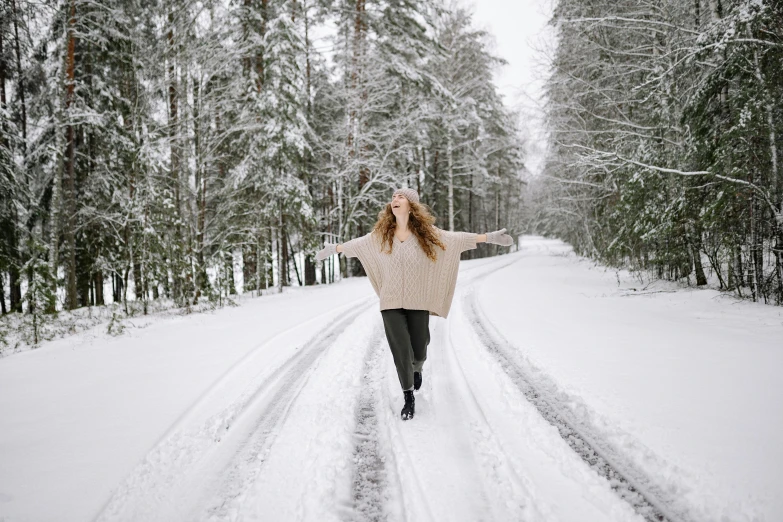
450,160
281,264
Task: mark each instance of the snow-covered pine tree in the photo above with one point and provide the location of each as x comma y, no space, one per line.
476,146
148,148
665,141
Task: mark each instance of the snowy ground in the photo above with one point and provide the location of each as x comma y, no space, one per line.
551,393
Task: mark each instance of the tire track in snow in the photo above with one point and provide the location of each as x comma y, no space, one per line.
372,473
158,484
510,492
271,414
382,457
414,501
163,485
629,482
231,372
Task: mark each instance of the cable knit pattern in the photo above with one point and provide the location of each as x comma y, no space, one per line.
407,278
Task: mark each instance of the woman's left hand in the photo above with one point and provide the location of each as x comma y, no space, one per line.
499,237
329,249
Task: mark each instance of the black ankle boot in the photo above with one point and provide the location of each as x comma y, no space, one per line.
416,380
408,409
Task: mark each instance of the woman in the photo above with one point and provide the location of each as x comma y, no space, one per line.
412,266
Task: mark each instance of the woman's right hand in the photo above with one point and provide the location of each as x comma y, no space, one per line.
329,249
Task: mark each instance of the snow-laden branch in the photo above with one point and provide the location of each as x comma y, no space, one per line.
666,170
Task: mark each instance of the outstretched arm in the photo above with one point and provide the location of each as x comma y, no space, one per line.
481,238
349,248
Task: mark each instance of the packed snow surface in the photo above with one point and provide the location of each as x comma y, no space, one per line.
287,407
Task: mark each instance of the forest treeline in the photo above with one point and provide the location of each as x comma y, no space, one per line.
665,121
148,147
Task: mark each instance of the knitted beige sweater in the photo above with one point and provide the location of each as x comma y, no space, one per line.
407,278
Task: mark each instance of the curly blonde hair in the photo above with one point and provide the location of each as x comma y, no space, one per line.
420,222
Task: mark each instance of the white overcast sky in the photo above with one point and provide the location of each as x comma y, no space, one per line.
524,40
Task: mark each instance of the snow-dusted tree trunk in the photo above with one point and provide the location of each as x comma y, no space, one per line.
450,166
70,158
12,232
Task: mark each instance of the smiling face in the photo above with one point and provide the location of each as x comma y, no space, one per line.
400,205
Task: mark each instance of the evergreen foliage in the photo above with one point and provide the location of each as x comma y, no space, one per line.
665,123
150,151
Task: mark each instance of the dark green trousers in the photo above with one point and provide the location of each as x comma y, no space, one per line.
408,333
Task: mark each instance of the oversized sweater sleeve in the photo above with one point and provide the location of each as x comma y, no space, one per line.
463,240
356,247
368,252
468,240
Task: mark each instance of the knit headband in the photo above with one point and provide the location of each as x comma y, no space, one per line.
409,193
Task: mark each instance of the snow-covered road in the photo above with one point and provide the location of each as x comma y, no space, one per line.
552,392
